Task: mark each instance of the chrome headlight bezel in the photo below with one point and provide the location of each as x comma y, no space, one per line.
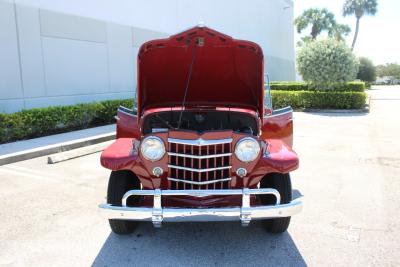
254,153
145,152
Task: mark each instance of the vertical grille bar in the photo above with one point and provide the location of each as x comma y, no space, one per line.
187,156
191,166
215,165
207,163
222,164
184,164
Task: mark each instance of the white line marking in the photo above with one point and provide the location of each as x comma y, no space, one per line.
25,170
29,175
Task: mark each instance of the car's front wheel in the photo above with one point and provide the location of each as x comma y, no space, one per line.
120,182
282,183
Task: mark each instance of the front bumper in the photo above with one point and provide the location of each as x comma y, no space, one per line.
245,213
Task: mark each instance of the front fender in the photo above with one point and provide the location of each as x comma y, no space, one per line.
120,155
279,157
123,155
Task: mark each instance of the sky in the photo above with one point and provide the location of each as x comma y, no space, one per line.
379,35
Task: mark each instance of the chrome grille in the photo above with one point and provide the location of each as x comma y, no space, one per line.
199,164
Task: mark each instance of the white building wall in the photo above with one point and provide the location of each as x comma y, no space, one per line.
57,52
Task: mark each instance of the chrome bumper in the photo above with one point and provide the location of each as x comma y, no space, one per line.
245,213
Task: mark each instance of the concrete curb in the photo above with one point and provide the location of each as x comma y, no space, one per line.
79,152
56,148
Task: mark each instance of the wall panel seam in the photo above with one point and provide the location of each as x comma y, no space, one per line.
19,52
43,62
70,95
73,39
108,57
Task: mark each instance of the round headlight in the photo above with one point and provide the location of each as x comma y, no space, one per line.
247,149
152,148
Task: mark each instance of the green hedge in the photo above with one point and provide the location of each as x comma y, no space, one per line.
44,121
289,86
302,86
318,99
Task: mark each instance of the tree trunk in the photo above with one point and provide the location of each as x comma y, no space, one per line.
355,34
314,32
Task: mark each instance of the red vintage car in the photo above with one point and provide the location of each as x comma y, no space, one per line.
202,144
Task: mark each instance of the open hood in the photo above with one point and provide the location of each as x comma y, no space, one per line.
225,72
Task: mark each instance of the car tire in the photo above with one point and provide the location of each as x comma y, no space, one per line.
119,183
282,183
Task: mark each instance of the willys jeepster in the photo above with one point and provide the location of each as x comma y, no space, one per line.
202,142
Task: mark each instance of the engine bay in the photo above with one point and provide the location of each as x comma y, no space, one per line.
200,121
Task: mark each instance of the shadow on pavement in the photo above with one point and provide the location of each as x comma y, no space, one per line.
205,244
296,194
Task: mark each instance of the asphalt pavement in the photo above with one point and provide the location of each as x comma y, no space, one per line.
349,175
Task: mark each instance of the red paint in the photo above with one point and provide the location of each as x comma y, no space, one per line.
216,85
226,72
278,127
279,158
127,125
118,156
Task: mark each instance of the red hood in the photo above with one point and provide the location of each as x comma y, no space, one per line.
225,72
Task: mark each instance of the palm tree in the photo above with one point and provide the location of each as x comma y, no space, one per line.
338,31
359,8
319,19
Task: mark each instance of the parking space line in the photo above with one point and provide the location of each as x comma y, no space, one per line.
26,173
25,170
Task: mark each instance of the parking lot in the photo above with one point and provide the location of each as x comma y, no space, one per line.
349,176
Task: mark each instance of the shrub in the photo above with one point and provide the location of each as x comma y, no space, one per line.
354,87
302,86
289,86
389,69
327,61
44,121
318,99
367,70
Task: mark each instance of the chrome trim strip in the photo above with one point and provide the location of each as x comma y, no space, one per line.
203,193
282,110
199,157
200,141
127,111
199,170
278,112
199,183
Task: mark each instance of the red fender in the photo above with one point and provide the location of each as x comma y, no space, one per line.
120,155
280,158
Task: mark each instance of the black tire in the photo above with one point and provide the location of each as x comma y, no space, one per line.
282,183
120,182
